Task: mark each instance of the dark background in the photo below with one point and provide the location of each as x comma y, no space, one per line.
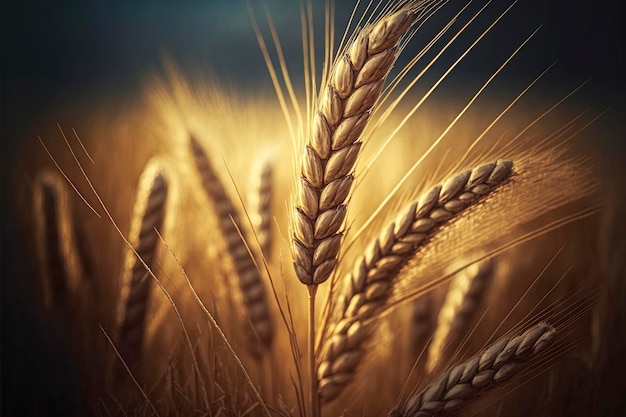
54,53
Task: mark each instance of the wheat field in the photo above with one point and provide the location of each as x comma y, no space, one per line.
350,242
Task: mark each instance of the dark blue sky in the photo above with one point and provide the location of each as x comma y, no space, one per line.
70,46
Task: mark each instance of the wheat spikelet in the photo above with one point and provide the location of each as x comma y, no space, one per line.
260,204
494,366
371,282
353,88
250,280
465,293
60,269
148,214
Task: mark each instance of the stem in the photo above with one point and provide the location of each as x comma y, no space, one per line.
314,397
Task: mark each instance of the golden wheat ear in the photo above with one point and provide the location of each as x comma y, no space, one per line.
260,203
491,368
326,164
148,215
60,268
250,281
369,286
354,86
464,295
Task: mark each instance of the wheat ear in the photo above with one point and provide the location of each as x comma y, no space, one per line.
61,271
465,293
355,84
148,214
250,280
371,282
353,88
490,368
260,204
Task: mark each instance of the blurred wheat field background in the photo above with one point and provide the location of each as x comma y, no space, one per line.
570,275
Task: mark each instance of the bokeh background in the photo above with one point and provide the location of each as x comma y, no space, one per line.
58,53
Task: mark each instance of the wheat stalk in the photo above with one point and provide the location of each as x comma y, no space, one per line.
464,294
61,270
148,215
260,204
250,280
354,86
371,282
490,368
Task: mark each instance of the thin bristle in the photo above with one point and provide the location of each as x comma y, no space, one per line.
326,178
250,281
465,293
148,215
493,367
372,281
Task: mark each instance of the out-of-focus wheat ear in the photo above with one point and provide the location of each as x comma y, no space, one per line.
60,267
422,324
371,282
250,281
148,214
494,366
260,204
325,177
459,307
